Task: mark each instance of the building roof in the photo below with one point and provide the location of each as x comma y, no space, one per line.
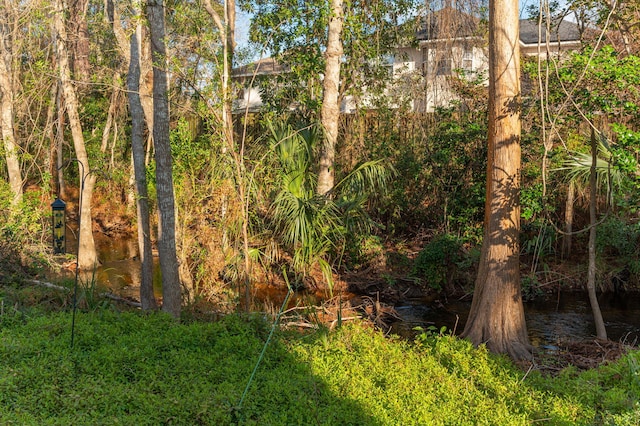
447,23
264,66
450,23
560,32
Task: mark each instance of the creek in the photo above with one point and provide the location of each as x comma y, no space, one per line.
550,321
557,318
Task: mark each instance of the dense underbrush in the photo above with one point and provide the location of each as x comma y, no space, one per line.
129,368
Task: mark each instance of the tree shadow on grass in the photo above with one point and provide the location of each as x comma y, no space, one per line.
285,391
149,370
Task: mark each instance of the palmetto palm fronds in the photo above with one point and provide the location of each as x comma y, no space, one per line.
578,167
309,225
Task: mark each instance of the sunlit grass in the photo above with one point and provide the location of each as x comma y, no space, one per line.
127,368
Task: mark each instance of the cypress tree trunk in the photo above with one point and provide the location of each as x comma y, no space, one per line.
497,314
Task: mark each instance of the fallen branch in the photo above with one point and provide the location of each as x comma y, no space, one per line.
110,296
48,285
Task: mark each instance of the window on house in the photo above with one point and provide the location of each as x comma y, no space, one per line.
467,59
444,66
385,62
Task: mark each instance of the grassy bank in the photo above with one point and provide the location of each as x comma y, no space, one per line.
127,368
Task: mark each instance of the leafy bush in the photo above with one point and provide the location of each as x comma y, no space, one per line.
437,261
538,238
362,250
619,241
308,225
24,229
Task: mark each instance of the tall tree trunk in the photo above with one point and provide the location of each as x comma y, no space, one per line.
79,40
7,95
59,142
131,51
147,298
226,27
171,291
601,331
568,220
497,314
87,257
330,113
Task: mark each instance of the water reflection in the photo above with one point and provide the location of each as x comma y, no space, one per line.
559,318
119,269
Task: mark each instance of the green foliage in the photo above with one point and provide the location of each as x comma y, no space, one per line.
619,238
295,33
538,238
625,154
437,261
190,152
611,83
308,225
128,368
618,241
24,229
530,287
578,167
89,294
531,203
361,250
440,163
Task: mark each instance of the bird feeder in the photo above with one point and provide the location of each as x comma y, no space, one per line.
59,226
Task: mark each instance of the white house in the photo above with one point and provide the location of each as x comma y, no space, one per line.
448,43
451,42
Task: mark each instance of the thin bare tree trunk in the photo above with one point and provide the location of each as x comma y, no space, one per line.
60,122
7,98
51,160
87,256
147,297
171,289
79,40
131,51
111,113
497,314
330,113
568,220
226,27
601,331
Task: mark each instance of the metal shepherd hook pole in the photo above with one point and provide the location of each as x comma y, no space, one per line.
83,177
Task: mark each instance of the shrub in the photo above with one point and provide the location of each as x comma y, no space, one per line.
437,261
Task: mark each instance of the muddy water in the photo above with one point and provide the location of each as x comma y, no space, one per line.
119,269
558,318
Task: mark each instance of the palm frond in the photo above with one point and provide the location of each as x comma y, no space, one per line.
367,177
578,167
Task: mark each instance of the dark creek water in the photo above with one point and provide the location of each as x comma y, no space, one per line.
558,318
